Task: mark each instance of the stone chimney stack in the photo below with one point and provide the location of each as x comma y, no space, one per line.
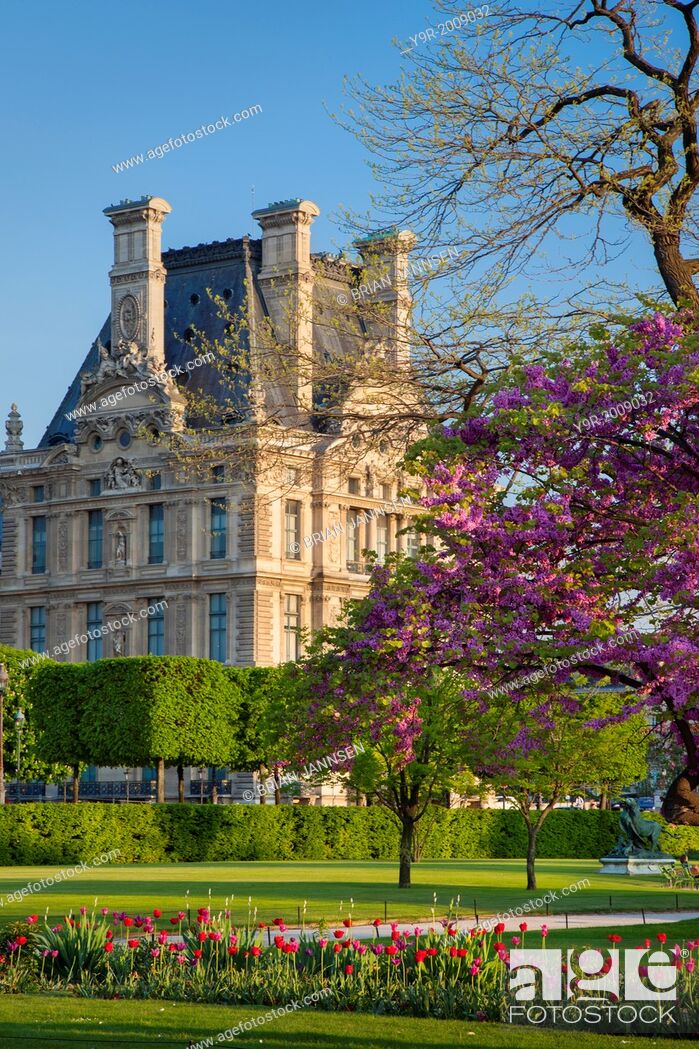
138,276
386,260
286,278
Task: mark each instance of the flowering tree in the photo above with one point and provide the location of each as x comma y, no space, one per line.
566,517
412,755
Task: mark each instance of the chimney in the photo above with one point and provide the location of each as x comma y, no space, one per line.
386,260
286,279
138,277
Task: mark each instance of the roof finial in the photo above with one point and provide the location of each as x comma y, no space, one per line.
13,429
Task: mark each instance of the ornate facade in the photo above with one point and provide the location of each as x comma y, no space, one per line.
105,519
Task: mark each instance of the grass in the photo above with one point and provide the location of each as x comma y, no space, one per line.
48,1022
278,889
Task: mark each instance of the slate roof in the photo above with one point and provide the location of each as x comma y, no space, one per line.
221,266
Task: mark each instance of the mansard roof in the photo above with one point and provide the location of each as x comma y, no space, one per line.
222,266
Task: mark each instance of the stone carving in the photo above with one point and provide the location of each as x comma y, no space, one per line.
13,429
119,643
181,533
180,626
121,475
63,545
120,547
128,317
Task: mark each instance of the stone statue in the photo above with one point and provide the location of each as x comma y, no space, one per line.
681,803
639,837
121,475
120,548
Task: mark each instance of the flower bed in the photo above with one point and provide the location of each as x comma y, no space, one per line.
436,971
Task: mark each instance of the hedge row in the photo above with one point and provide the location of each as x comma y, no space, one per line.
58,833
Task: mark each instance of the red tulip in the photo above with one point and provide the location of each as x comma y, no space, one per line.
347,922
461,952
349,969
391,951
232,950
201,936
376,922
256,952
338,933
128,922
523,926
109,934
420,956
132,944
662,937
109,947
157,913
173,921
500,927
432,951
337,947
21,940
614,937
197,953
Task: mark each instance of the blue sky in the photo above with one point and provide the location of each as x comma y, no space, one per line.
88,84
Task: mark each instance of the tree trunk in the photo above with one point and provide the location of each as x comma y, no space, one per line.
406,851
76,783
160,774
604,800
180,783
532,830
674,269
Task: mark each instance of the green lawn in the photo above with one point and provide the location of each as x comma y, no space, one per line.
45,1022
632,935
278,889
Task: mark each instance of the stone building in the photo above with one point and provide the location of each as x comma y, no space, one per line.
112,545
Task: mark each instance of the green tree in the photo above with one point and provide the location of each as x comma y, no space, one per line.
264,741
329,708
57,696
151,710
576,752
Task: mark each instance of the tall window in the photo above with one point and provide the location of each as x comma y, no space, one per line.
155,482
38,493
292,529
95,539
352,537
156,534
95,486
156,627
37,629
412,543
94,625
218,474
218,627
353,486
386,492
292,625
219,526
38,545
382,540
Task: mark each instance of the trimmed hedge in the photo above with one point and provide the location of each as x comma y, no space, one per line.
48,833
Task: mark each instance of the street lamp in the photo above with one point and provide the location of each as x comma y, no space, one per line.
4,681
127,773
19,724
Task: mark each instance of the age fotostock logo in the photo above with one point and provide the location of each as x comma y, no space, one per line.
589,983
